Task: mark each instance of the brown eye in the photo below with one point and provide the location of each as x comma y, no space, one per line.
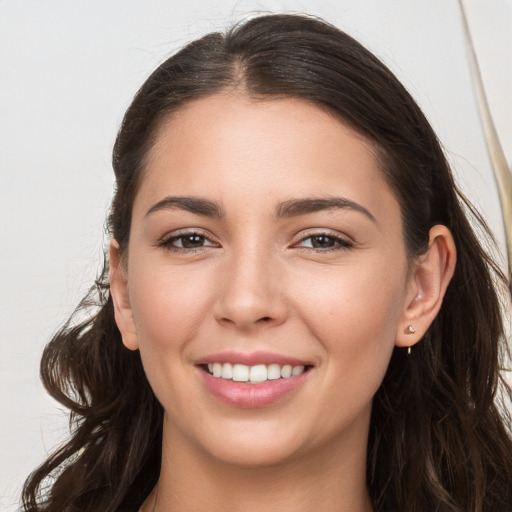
192,241
188,241
324,242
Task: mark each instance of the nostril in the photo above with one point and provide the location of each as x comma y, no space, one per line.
265,319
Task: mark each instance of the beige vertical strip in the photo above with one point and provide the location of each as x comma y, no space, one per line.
502,173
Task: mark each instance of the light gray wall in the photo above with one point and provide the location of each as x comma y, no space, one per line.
68,71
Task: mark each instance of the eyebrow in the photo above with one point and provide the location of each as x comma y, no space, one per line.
192,204
296,207
286,209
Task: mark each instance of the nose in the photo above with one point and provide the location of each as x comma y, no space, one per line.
250,295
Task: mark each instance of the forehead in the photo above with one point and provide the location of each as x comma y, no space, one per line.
229,144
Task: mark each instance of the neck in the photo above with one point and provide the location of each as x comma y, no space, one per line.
332,479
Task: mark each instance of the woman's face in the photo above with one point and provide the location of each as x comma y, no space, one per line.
264,237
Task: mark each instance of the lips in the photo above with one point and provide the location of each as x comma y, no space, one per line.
252,380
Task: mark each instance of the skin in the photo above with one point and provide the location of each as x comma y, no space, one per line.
254,282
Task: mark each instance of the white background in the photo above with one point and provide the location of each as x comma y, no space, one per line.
68,70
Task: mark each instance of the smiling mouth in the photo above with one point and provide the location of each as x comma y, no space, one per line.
254,374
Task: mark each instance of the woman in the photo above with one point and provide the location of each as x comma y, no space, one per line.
298,314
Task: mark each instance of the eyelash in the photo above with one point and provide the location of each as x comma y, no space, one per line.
341,243
167,243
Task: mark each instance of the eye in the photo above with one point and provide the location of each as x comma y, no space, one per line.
324,242
187,241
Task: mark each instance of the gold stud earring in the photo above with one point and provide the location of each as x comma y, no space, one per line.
410,330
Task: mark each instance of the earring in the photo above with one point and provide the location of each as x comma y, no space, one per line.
410,330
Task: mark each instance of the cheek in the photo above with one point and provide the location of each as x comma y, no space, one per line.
355,320
364,298
354,314
168,305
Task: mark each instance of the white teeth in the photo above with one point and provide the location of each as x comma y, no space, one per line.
240,373
217,370
286,371
258,373
227,371
253,374
273,372
297,370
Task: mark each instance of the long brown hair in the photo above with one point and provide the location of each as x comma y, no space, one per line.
438,441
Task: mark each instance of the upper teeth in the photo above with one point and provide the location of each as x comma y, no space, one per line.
254,374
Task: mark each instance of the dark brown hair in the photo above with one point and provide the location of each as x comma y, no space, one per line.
438,441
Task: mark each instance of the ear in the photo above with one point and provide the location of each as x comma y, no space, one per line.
429,278
120,296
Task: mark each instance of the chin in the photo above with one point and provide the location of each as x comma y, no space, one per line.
255,443
254,454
